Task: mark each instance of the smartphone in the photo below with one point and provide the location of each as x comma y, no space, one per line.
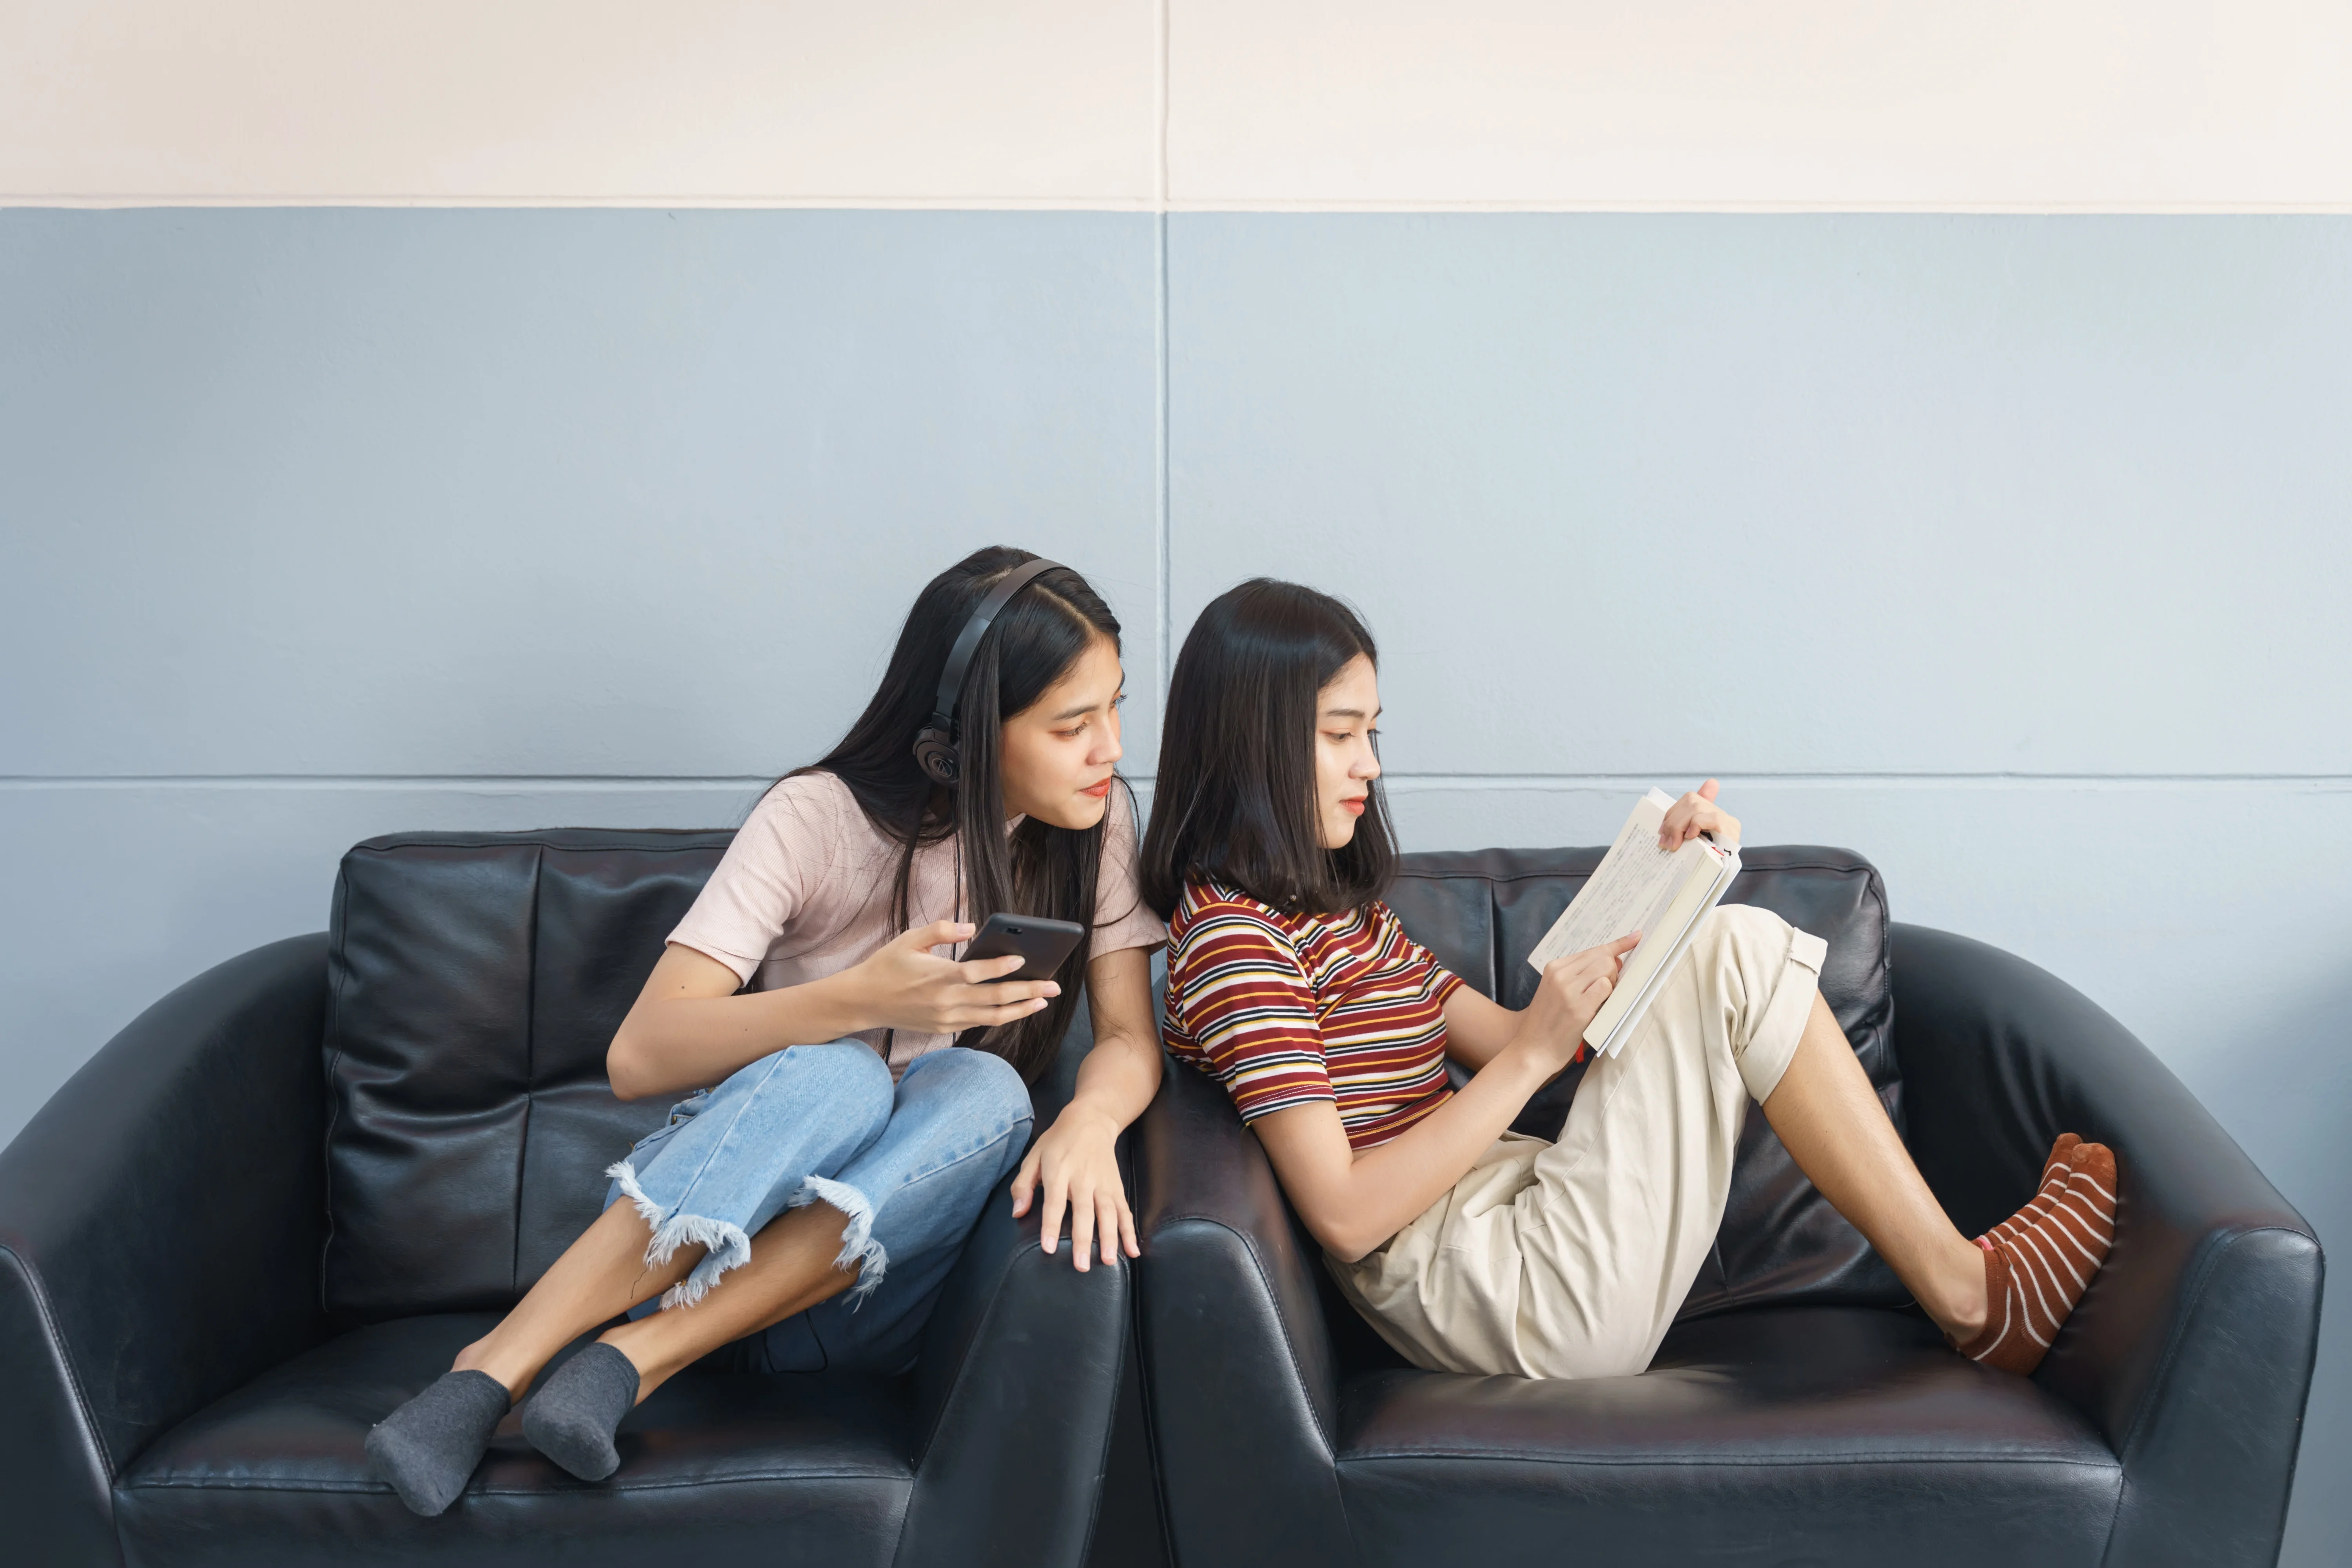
1043,944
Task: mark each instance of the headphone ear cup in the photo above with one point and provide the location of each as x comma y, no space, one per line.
936,754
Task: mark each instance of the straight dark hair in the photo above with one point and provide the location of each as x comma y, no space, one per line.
1039,869
1235,799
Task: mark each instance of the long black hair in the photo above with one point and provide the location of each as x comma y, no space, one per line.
1039,869
1235,799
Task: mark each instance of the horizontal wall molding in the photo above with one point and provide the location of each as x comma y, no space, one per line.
2316,782
687,202
2121,208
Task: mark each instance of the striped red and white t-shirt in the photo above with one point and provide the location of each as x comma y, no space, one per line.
1287,1009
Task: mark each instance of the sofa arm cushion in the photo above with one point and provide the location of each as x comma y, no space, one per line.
160,1226
1013,1397
2194,1349
1239,1370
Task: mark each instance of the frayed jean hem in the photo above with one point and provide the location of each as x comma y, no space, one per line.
858,1243
725,1245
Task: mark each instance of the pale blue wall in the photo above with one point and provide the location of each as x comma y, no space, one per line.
2011,552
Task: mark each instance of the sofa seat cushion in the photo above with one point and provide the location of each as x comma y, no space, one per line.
1774,1435
715,1466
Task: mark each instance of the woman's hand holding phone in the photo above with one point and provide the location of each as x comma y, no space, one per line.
905,985
1571,991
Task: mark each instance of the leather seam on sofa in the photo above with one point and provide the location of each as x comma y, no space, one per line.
1266,1282
529,1066
1542,875
1719,1461
338,1489
337,974
2116,1517
93,1434
474,840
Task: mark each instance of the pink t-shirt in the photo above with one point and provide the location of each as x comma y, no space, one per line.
805,891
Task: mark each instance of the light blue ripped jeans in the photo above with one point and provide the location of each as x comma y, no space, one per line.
910,1164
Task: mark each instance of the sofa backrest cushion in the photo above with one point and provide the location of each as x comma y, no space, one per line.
475,981
1482,912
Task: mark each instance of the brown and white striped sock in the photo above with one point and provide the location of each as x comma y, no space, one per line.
2040,1261
2053,1187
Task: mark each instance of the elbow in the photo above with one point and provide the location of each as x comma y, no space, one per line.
1346,1243
1147,1052
624,1066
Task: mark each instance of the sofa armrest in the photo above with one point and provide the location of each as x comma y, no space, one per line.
1239,1371
1013,1397
160,1222
2192,1350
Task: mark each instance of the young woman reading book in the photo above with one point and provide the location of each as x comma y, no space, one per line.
866,1092
1470,1247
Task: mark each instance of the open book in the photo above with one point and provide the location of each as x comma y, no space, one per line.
1638,887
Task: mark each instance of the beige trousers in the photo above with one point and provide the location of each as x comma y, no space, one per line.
1570,1259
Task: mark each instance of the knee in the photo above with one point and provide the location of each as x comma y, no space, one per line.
983,1084
847,1076
1741,937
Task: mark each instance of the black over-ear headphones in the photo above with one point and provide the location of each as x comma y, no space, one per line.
935,742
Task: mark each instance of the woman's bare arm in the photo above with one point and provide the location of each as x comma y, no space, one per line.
1076,1161
1476,1027
1352,1203
688,1029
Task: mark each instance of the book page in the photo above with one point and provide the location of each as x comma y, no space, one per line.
1628,891
1663,943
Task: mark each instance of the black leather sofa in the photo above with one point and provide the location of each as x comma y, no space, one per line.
200,1316
1800,1412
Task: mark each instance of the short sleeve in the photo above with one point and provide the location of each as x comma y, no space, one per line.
1241,997
1438,982
1442,981
765,879
1122,920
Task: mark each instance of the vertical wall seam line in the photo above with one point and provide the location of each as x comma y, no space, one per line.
1159,195
1163,524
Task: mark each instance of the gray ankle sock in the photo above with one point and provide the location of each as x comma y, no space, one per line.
428,1446
572,1416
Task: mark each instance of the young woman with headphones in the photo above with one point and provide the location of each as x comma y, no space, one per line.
869,1092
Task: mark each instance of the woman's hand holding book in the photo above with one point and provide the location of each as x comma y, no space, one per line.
1571,991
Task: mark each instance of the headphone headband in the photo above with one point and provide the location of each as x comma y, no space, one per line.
935,742
943,712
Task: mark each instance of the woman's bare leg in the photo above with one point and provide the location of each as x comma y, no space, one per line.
604,1273
1830,1121
599,1277
789,1270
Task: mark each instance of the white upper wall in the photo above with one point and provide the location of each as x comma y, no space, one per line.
2032,105
803,102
